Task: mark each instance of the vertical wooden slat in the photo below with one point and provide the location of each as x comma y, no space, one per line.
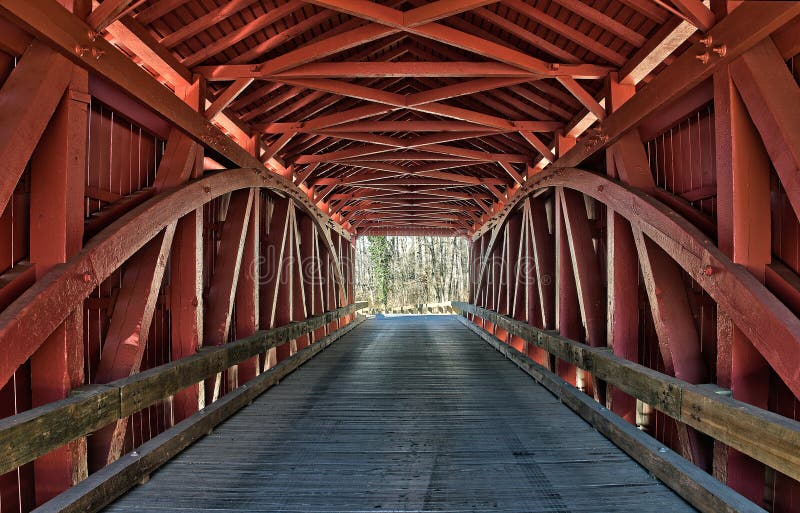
744,234
247,291
622,272
128,334
58,170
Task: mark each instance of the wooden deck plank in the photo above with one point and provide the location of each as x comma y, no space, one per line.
409,413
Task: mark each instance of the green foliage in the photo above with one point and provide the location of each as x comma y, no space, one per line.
380,256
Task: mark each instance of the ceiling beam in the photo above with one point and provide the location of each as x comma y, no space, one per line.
229,39
583,96
448,69
457,38
204,22
743,28
698,14
415,126
462,181
110,11
442,9
566,31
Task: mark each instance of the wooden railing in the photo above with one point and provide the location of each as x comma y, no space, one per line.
765,436
28,435
425,308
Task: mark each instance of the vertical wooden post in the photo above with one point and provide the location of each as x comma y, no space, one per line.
56,233
503,272
186,280
311,267
273,245
516,281
744,234
567,317
622,274
544,254
225,278
279,286
58,170
298,301
247,300
127,336
186,305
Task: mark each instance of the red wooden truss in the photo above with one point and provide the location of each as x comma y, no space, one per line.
179,174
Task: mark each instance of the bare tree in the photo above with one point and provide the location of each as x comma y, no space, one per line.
411,270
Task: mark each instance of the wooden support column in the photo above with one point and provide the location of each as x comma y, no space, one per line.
528,282
544,257
501,267
567,310
588,279
276,246
128,333
247,291
622,274
584,265
298,290
186,305
282,309
678,339
623,304
744,234
310,265
186,270
515,277
328,284
58,169
492,279
225,277
474,265
351,275
566,317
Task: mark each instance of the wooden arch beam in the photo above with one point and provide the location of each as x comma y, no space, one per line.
768,323
61,289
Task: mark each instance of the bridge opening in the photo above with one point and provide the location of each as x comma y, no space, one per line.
198,197
406,274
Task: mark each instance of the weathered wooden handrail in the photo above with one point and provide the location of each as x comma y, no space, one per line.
28,435
763,435
421,308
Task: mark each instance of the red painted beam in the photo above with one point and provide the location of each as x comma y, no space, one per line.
58,176
127,335
40,79
225,277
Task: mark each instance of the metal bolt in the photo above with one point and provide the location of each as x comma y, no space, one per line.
97,53
135,454
554,66
707,41
720,50
703,57
87,277
80,51
206,189
707,270
92,35
663,450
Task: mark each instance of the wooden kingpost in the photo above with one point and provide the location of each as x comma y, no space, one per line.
58,168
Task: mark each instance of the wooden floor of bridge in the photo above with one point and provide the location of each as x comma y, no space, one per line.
407,413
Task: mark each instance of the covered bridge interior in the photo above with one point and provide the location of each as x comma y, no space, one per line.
182,184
